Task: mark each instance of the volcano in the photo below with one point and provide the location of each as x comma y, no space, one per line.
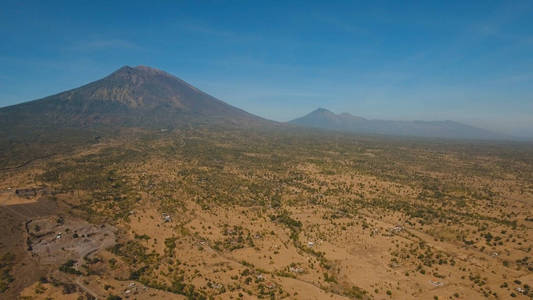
131,96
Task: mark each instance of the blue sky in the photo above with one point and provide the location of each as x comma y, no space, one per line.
460,60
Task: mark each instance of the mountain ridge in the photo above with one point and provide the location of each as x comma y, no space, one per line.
325,119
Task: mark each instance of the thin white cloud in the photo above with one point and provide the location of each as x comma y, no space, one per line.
208,30
339,24
103,44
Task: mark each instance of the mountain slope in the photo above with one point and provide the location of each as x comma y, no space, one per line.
139,96
325,119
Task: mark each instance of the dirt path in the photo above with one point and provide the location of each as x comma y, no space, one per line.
78,280
16,213
26,163
85,288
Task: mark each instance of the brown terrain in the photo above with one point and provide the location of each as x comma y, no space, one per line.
216,211
219,214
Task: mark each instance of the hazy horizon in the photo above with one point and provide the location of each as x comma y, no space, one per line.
467,62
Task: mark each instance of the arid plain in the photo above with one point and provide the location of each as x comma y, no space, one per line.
243,214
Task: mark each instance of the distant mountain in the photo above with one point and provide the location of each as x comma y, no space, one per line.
139,96
325,119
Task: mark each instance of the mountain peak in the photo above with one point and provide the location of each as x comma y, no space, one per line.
321,110
144,71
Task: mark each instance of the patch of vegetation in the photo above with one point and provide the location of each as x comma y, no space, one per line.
6,265
68,267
